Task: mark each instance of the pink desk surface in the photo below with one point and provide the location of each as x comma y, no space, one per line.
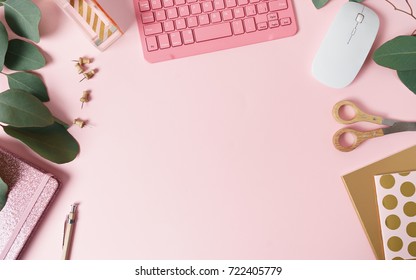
226,155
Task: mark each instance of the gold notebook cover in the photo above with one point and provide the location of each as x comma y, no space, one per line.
361,188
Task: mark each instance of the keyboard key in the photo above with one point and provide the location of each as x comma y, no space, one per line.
219,4
238,12
156,4
277,5
175,39
203,19
227,15
160,15
188,37
272,16
249,25
238,27
274,23
254,1
215,17
262,8
211,32
172,13
191,1
163,41
230,3
207,6
196,9
168,25
151,43
260,18
262,26
179,2
167,3
242,2
152,28
144,6
192,21
250,10
285,21
184,11
147,17
180,24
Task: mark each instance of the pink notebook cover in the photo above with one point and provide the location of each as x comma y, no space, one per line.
30,192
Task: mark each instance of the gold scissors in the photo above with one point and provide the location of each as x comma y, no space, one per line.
393,126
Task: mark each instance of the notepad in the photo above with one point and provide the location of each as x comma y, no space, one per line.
361,188
396,200
30,192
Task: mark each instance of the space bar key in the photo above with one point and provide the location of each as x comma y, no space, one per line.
212,32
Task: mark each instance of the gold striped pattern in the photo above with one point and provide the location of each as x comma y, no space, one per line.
92,18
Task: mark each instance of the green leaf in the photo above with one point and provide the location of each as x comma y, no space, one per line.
23,17
1,2
53,142
61,122
30,83
398,53
23,56
408,78
3,193
4,42
21,109
319,3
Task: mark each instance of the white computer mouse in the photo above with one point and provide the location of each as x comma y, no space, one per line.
346,45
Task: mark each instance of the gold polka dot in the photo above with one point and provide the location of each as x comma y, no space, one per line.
387,181
411,229
390,202
412,249
397,258
395,243
410,209
393,222
407,189
404,173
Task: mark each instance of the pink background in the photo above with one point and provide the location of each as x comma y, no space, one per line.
226,155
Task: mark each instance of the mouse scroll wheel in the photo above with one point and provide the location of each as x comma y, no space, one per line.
359,18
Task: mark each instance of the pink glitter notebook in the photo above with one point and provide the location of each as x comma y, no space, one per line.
30,192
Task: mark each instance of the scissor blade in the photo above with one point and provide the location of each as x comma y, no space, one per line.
400,127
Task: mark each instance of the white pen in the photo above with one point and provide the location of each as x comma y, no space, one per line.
69,232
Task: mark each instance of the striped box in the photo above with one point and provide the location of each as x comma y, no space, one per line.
96,23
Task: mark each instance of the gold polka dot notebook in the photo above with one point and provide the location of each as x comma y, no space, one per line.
396,200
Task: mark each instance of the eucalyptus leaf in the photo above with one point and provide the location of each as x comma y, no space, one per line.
3,193
23,17
61,122
23,56
4,42
408,78
30,83
320,3
53,142
21,109
398,53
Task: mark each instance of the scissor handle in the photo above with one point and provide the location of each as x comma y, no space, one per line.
359,116
359,137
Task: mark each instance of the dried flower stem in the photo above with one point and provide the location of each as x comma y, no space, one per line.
411,13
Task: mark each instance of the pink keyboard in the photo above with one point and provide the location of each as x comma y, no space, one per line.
172,29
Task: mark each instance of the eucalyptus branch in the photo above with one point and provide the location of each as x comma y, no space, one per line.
411,13
410,6
403,11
